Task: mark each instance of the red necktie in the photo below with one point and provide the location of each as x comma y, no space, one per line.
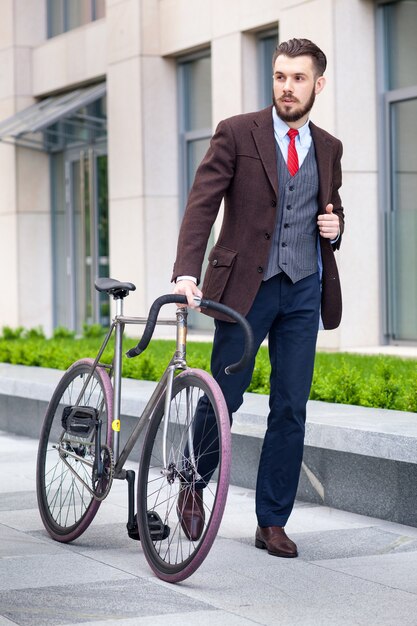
292,161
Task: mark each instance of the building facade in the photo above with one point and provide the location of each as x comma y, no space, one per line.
107,107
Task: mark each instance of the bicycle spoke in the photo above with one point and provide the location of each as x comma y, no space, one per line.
176,555
66,459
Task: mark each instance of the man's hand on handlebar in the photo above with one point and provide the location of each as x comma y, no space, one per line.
189,289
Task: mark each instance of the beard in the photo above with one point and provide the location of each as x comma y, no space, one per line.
294,115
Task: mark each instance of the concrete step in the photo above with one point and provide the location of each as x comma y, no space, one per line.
356,459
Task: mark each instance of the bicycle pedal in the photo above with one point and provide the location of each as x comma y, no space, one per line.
157,529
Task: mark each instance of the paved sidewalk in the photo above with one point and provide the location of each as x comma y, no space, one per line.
352,570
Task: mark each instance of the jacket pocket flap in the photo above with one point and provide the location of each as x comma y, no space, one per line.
221,257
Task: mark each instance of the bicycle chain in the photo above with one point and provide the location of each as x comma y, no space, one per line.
101,496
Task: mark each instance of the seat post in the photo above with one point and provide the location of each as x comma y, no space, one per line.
117,377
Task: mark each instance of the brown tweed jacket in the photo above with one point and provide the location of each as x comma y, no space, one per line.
241,168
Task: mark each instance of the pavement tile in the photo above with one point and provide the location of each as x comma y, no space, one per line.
237,575
210,617
358,609
89,603
15,543
396,571
352,570
24,519
348,543
46,569
18,501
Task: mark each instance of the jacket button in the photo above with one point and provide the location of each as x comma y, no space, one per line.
286,225
260,269
291,188
284,245
267,236
214,262
274,203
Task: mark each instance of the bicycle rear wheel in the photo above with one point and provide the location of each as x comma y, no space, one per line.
169,550
75,465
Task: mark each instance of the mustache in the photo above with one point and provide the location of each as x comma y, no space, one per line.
287,97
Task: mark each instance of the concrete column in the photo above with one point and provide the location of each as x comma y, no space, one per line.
143,152
161,155
125,147
25,263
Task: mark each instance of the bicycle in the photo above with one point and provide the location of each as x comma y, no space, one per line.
79,456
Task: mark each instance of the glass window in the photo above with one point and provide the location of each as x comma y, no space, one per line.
195,114
78,13
99,9
197,93
64,15
56,19
267,42
402,228
194,78
399,167
400,34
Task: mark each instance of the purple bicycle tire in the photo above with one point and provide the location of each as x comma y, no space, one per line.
177,574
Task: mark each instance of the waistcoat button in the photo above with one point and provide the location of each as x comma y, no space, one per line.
260,269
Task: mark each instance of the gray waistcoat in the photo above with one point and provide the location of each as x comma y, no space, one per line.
294,244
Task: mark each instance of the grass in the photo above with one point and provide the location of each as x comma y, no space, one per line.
375,381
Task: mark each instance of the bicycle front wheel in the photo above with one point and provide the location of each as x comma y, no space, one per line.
75,465
181,454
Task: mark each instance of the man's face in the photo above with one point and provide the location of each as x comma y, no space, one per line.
295,88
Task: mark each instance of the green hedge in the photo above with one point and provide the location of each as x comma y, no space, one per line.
373,381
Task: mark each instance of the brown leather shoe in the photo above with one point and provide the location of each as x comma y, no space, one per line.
190,510
275,541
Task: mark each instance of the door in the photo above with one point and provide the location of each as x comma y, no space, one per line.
81,238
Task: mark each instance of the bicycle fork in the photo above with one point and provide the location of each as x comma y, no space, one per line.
179,363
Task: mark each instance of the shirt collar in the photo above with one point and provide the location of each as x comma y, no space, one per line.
281,128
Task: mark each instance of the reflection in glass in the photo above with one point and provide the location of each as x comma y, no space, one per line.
267,43
195,126
403,222
195,153
65,15
400,20
197,92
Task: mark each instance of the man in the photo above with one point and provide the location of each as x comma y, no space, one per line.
279,176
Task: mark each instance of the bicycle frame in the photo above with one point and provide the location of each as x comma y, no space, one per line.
177,362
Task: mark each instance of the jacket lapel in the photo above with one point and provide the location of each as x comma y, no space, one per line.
323,148
263,136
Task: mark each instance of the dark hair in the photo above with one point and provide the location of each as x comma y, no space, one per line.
299,47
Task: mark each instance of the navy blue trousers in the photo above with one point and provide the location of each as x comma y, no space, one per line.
289,315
